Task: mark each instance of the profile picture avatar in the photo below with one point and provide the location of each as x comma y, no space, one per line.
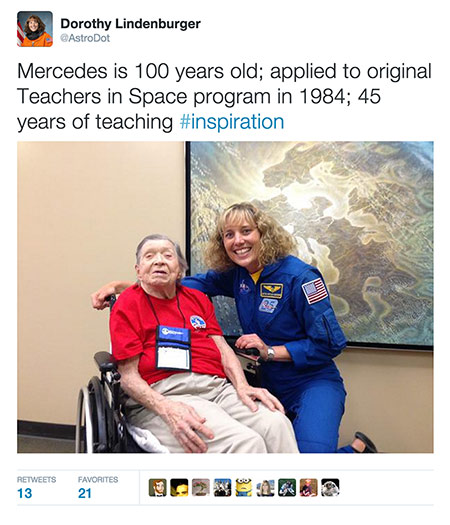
34,29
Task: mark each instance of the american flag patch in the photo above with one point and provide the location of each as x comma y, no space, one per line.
315,291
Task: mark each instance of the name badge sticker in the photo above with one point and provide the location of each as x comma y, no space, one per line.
173,348
173,358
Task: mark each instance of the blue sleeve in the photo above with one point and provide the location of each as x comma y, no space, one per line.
212,283
324,338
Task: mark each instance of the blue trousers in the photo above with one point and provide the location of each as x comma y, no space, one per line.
318,415
317,407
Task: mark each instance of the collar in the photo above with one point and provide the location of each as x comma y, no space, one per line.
34,35
267,270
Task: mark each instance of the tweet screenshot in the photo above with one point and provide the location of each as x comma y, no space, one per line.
221,286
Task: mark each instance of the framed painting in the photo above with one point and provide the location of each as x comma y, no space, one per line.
362,212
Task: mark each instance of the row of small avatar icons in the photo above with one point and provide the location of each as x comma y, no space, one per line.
243,487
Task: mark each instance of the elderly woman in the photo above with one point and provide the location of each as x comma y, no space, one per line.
285,312
183,381
36,35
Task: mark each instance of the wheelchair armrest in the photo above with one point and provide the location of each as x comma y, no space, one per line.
247,351
105,362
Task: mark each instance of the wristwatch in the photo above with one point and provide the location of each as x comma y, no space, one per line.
270,354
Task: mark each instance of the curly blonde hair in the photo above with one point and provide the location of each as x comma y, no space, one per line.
276,242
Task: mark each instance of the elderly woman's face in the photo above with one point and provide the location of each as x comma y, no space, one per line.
242,242
33,24
158,267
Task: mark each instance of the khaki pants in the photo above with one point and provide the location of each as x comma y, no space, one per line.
236,428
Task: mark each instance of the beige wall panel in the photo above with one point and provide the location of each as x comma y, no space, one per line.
83,208
389,397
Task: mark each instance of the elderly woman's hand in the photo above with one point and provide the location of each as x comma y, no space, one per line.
248,394
185,424
183,421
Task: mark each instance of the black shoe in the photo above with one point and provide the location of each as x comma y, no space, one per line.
370,446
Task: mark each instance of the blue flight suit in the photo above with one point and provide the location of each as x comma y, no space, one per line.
290,306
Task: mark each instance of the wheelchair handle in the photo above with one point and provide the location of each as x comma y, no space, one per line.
111,299
249,351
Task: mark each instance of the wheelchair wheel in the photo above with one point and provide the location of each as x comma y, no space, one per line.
99,415
93,419
84,435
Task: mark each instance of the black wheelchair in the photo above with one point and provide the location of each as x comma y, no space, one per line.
101,425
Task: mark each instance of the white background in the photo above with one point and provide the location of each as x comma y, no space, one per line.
269,33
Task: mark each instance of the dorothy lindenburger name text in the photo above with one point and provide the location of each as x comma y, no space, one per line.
97,23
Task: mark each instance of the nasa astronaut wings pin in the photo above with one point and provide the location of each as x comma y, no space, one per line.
314,291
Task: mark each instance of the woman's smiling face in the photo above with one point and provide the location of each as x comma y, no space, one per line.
242,242
33,24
